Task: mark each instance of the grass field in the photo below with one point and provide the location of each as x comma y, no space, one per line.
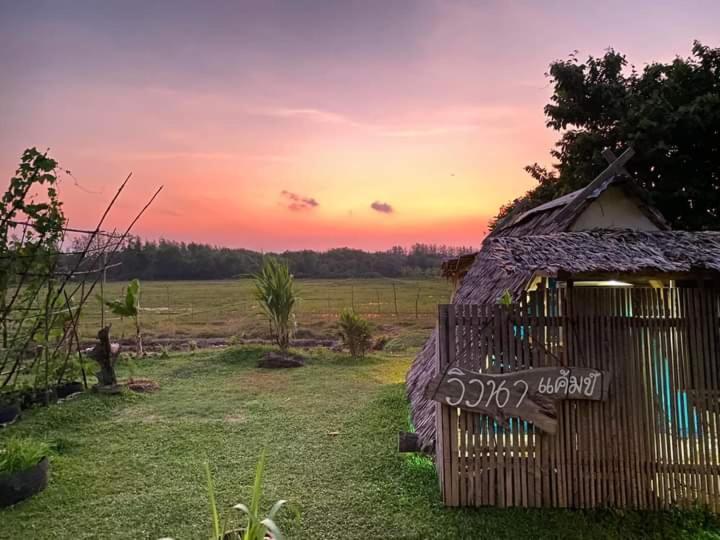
131,467
203,309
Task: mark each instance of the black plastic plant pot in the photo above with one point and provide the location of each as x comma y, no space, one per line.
67,389
8,414
32,398
18,486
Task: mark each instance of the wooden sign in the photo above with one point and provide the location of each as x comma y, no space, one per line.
529,394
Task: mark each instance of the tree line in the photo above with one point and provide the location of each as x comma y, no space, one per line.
170,260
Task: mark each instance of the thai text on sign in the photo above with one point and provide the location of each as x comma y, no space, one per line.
528,394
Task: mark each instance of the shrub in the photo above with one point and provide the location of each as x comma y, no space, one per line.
355,333
19,454
275,291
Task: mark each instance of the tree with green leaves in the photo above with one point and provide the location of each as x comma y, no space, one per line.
668,112
31,228
129,306
276,293
31,231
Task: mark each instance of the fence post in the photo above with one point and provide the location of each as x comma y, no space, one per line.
417,300
445,439
395,299
167,293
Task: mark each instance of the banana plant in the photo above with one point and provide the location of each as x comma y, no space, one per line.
130,307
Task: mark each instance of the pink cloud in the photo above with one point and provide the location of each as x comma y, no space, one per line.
298,202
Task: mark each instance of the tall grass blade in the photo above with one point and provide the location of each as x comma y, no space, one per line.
217,532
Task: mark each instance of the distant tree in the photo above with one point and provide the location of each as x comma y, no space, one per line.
275,291
669,113
167,259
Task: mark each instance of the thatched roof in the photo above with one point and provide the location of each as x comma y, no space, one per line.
556,216
457,266
509,263
560,213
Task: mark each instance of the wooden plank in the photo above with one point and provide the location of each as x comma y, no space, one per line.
685,338
527,473
441,414
570,457
683,380
598,426
452,359
711,409
619,434
675,413
629,397
592,428
493,345
546,441
592,316
698,360
605,326
499,344
537,443
463,360
647,354
476,419
712,328
646,428
484,438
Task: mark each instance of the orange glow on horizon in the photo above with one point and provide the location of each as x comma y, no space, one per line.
269,130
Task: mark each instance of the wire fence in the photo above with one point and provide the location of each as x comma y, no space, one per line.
228,308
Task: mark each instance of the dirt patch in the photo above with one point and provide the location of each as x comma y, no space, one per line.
142,386
158,345
280,360
236,419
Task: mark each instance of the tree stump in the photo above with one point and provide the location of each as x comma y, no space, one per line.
105,354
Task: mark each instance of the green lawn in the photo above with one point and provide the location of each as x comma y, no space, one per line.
131,466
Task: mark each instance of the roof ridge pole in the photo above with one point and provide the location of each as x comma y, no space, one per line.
617,166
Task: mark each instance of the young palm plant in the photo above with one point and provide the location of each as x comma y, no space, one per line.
130,307
257,526
276,293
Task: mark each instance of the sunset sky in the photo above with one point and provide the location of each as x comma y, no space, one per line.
306,124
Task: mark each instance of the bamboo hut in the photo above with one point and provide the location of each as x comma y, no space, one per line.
604,235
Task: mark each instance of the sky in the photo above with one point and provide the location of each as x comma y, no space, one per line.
306,123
